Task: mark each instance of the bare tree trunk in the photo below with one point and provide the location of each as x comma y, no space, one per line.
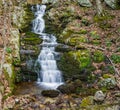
99,7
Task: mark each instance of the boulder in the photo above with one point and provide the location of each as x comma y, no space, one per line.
99,96
111,3
67,88
50,93
70,87
108,83
85,3
49,1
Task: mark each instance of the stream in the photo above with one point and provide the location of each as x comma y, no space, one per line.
49,76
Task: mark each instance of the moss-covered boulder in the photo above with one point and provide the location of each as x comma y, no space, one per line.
70,87
75,64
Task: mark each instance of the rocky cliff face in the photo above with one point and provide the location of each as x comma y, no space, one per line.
14,18
87,41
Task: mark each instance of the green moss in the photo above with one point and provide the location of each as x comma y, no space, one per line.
87,101
10,78
98,18
96,42
98,56
69,66
73,64
83,31
76,40
83,57
16,61
94,35
32,40
8,50
105,76
28,17
108,43
31,34
103,20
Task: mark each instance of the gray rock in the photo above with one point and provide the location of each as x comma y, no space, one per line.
99,96
108,83
49,1
85,3
111,3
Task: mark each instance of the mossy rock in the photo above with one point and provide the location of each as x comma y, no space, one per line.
98,56
76,40
66,34
69,66
32,40
63,48
10,76
74,63
108,83
83,57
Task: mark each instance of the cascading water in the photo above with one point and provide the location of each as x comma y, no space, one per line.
48,75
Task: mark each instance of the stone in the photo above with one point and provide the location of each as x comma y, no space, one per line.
85,3
111,3
50,93
49,1
67,88
108,83
99,96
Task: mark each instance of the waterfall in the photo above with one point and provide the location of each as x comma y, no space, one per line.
48,74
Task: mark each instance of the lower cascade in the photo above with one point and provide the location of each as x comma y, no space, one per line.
48,74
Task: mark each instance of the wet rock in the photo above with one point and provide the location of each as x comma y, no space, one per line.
85,3
99,96
67,89
63,48
50,93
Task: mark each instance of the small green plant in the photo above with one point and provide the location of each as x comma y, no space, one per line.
8,50
98,56
94,35
115,58
85,22
108,43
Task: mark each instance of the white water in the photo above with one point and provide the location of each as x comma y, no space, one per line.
48,75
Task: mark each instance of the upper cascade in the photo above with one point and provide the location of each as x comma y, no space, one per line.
38,22
48,75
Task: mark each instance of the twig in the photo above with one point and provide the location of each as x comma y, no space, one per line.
92,46
115,69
